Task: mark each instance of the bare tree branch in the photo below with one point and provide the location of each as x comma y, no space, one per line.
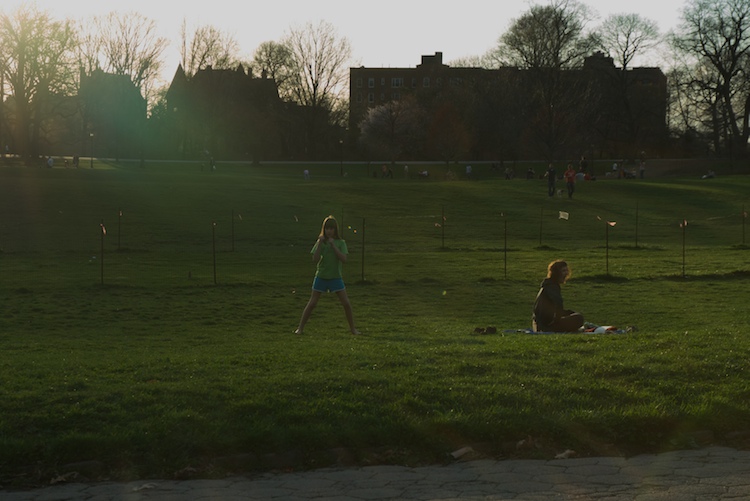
130,46
716,35
207,46
319,75
547,36
273,60
626,36
319,64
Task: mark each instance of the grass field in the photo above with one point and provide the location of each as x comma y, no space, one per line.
178,350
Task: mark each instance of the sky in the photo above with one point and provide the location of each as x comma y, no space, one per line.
386,33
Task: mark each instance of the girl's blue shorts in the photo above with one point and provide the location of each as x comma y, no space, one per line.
328,284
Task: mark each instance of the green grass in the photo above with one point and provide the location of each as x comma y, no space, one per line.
158,368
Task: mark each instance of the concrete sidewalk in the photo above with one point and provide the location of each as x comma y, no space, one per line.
714,473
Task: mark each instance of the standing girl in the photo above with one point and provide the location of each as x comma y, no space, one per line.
329,253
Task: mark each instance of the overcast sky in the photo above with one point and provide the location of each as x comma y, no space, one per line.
387,33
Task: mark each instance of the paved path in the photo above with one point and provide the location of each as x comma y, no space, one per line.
706,474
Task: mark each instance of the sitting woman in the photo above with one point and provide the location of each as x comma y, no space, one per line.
549,314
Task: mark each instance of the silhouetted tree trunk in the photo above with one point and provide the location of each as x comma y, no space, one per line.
319,75
716,35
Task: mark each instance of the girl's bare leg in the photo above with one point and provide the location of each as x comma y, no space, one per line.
344,298
311,304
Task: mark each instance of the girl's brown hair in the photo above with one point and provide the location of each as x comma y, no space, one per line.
553,269
330,222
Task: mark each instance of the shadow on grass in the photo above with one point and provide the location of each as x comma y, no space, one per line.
106,286
487,280
603,277
423,280
659,247
192,285
128,250
637,247
477,249
732,275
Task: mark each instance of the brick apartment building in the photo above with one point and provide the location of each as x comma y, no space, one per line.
602,110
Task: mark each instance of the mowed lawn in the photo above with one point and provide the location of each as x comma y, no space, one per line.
167,342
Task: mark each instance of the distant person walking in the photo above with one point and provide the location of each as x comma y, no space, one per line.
570,179
329,254
642,169
551,178
642,165
583,165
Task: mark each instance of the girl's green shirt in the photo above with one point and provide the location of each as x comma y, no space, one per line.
329,265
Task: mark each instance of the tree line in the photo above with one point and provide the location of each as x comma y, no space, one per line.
706,60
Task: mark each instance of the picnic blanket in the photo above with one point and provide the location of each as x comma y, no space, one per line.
587,329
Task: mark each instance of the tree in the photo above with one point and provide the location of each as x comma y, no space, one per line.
392,128
715,34
129,46
318,74
36,55
274,60
208,46
692,112
548,37
545,41
495,111
447,134
120,62
88,49
626,36
488,60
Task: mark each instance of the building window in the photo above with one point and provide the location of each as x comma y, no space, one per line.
382,97
370,98
396,96
382,81
359,98
413,83
371,83
359,82
426,82
438,82
397,82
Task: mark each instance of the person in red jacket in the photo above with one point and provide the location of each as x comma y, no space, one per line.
570,179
